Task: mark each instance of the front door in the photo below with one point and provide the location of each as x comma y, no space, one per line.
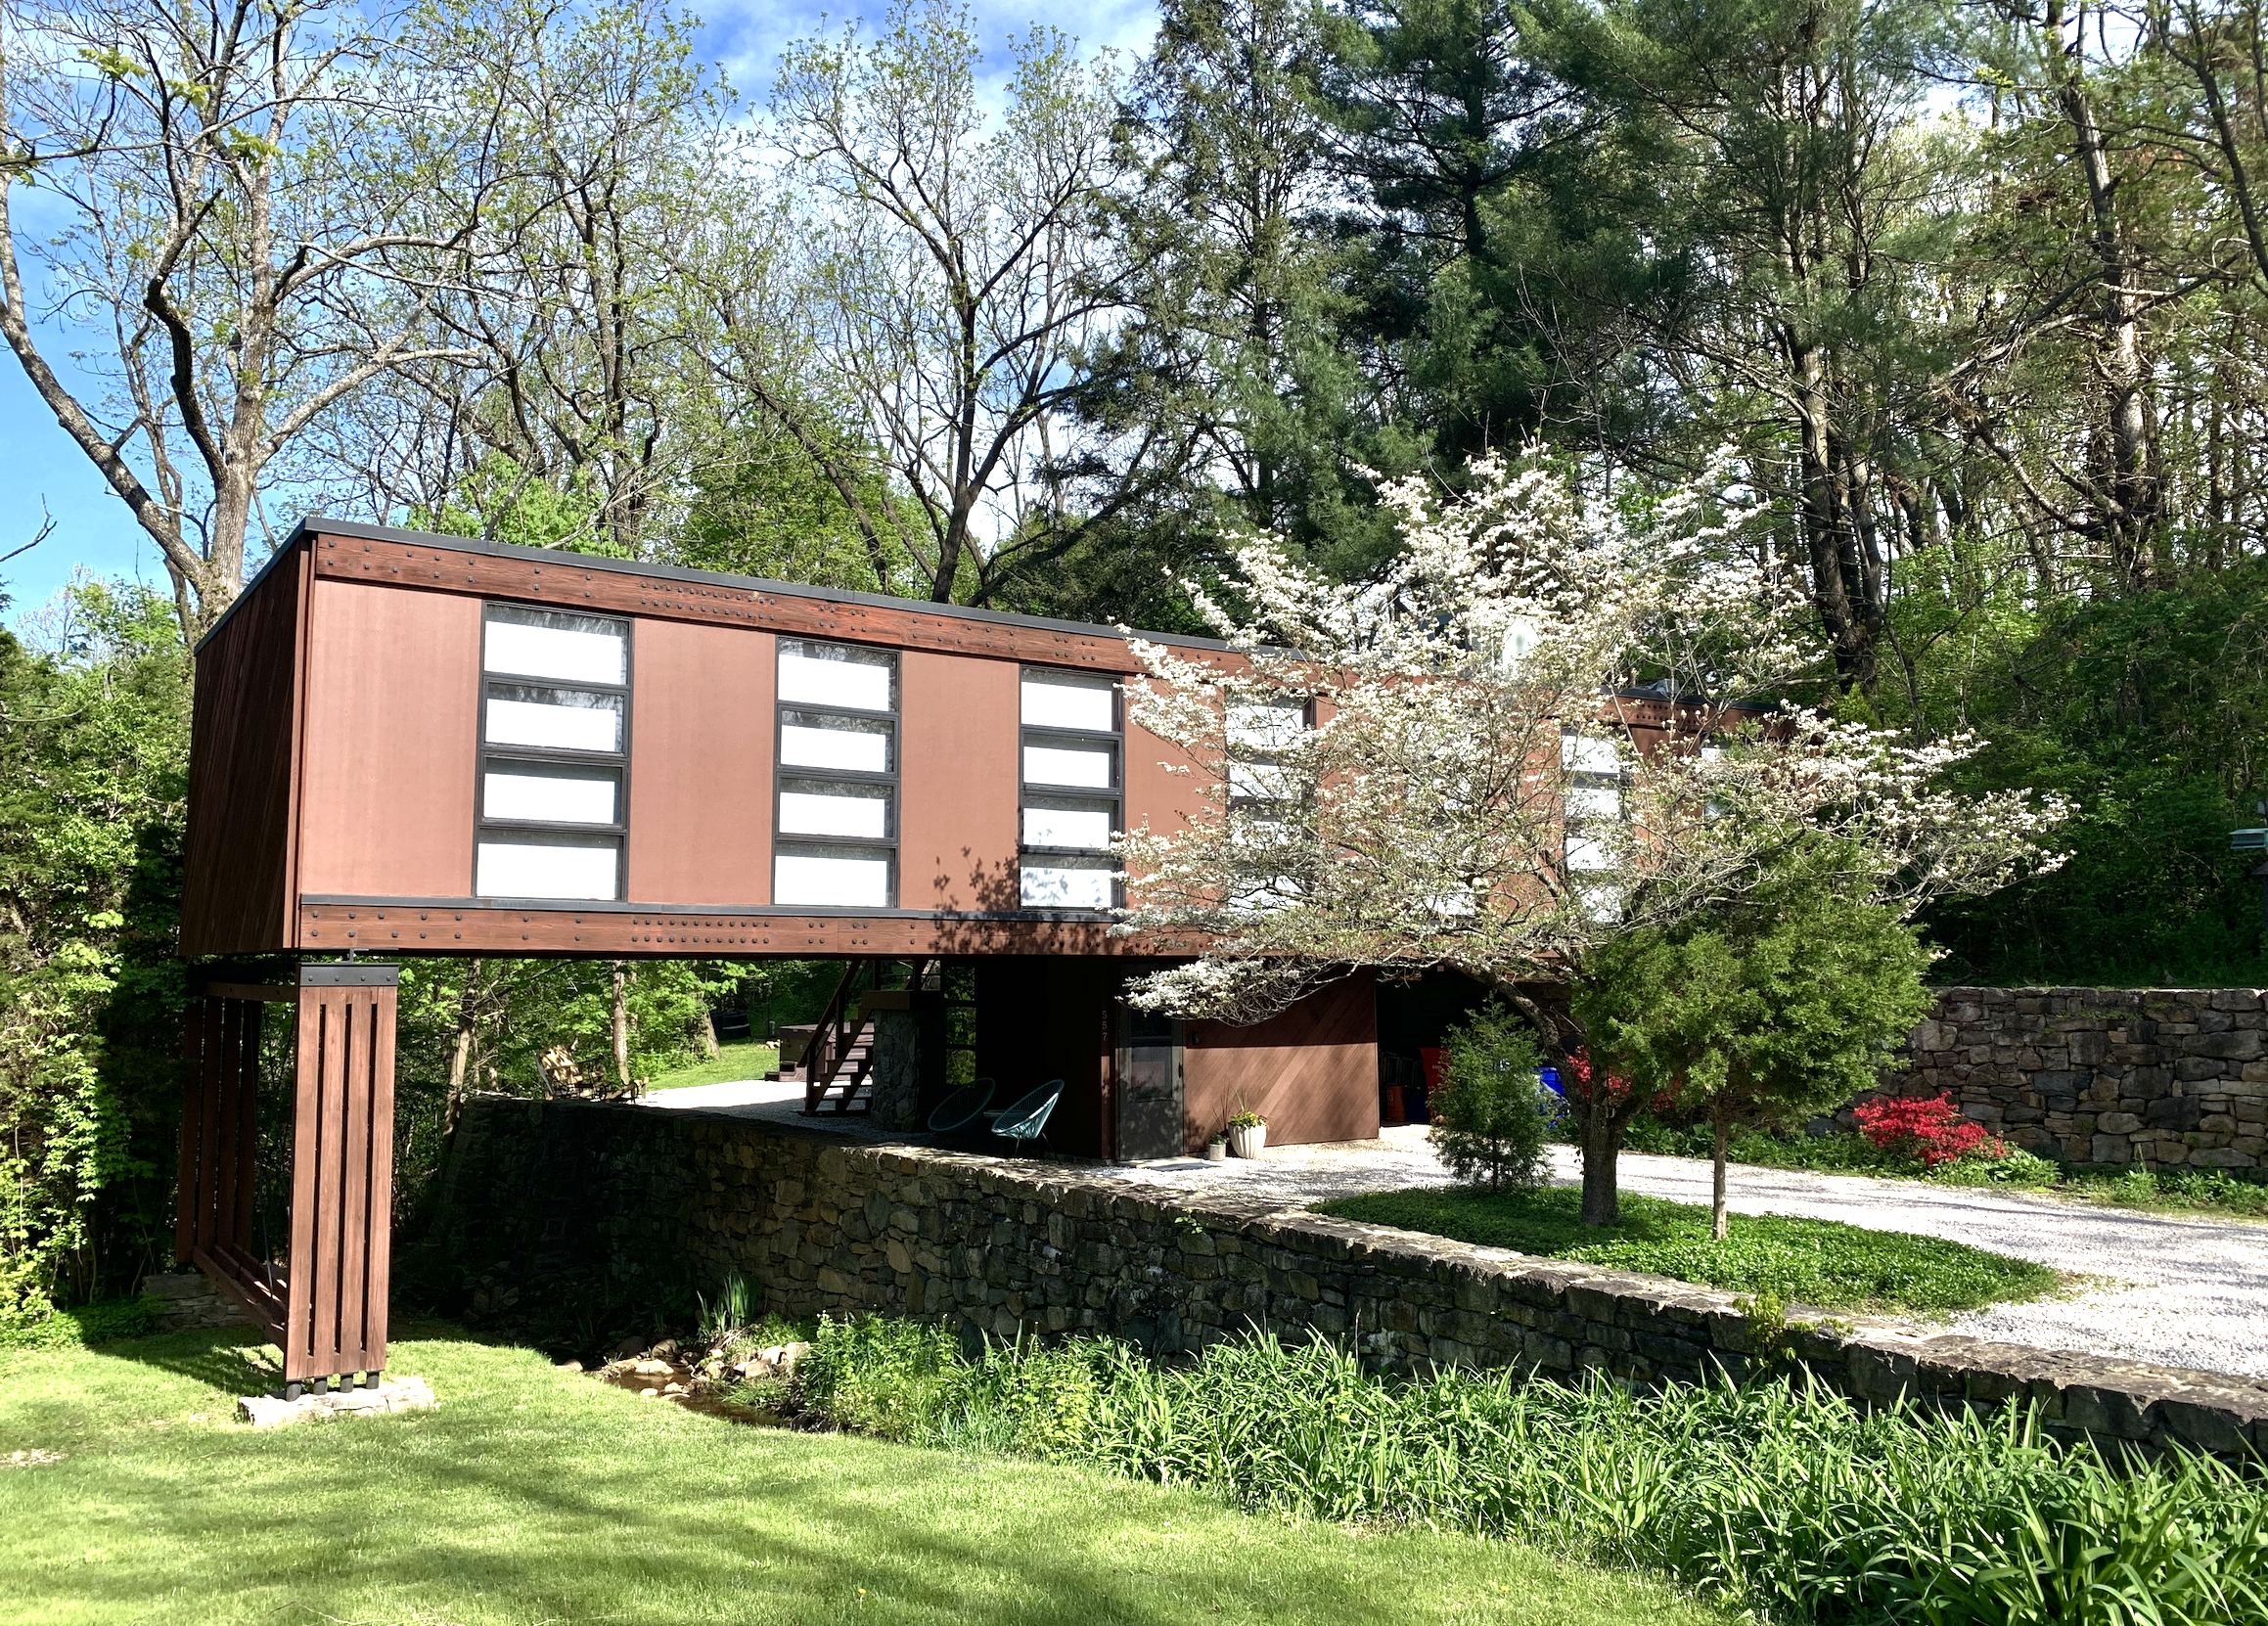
1149,1087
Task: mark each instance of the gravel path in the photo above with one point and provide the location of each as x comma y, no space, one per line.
2181,1293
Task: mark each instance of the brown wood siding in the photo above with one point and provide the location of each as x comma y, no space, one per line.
393,709
238,889
700,765
1312,1071
958,790
1156,795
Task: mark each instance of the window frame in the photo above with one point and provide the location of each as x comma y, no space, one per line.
890,780
618,760
1041,734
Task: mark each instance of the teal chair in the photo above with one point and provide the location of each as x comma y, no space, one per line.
1027,1119
960,1111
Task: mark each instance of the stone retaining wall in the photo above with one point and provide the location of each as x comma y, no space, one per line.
2104,1077
580,1214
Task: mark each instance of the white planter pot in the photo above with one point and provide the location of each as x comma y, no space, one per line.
1247,1143
1216,1152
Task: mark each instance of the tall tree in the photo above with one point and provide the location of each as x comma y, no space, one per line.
577,349
1800,202
959,277
231,214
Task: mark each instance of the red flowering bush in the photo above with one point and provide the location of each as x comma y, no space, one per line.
1931,1130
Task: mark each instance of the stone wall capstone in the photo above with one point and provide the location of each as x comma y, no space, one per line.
583,1215
2102,1078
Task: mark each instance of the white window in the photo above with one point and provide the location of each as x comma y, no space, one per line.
549,644
1066,822
1055,883
847,745
555,709
1057,762
1265,726
1595,831
835,822
827,807
1266,797
554,719
832,878
549,792
1073,796
1082,701
840,675
536,866
1588,754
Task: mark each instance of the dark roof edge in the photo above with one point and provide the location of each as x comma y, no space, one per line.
320,527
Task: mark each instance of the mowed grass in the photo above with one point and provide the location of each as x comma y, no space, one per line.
742,1059
1809,1261
539,1496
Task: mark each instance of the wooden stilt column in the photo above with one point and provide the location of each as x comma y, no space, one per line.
325,1306
341,1174
214,1209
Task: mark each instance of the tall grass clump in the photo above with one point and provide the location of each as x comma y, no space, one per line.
1778,1496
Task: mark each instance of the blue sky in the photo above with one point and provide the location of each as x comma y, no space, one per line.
39,464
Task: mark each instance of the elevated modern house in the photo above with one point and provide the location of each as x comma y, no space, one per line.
411,744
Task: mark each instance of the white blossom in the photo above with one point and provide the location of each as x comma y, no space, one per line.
1546,723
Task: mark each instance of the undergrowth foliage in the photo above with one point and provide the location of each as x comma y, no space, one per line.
1779,1497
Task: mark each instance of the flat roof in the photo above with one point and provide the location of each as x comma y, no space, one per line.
320,527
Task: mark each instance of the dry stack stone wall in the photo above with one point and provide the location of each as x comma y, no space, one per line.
577,1215
2104,1077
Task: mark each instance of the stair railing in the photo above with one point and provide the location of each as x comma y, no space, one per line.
835,1032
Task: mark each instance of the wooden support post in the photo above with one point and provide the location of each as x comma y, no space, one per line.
335,1316
213,1207
328,1310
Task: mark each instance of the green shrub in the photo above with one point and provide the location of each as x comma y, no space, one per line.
2012,1168
1488,1122
2227,1191
1808,1261
1779,1497
88,1325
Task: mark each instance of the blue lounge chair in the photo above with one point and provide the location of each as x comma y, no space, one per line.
1025,1118
959,1110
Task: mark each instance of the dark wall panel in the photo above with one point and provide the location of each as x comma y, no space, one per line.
238,885
1312,1071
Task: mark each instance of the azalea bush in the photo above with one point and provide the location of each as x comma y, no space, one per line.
1930,1129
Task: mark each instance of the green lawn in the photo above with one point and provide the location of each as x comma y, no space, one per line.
1820,1262
733,1063
539,1495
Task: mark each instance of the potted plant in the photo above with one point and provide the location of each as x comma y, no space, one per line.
1247,1134
1217,1149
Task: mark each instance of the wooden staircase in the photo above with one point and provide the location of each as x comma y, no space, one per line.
838,1070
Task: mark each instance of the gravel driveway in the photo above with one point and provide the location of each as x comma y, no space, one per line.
2181,1293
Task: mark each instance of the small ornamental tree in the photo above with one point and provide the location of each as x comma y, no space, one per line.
1542,728
1769,1011
1488,1124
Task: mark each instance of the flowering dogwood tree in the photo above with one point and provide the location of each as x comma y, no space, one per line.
1545,725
